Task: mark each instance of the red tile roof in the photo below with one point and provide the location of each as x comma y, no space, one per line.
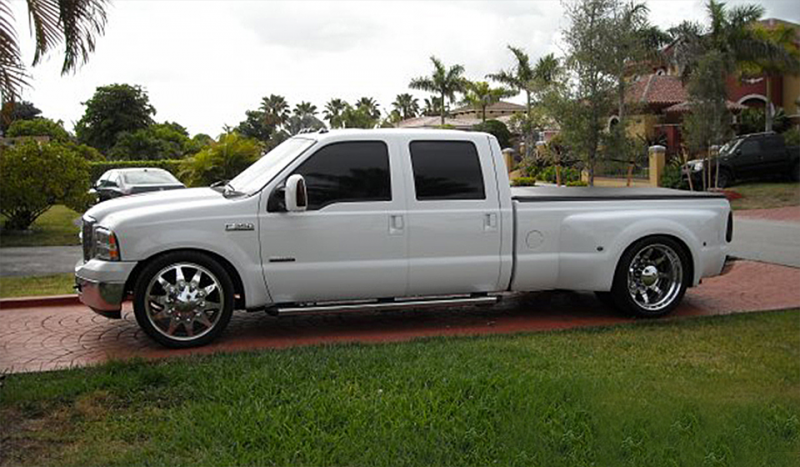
657,90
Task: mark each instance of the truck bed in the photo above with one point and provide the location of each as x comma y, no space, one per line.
553,193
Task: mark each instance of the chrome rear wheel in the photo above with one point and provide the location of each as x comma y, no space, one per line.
652,276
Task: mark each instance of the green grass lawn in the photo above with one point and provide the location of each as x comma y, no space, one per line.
766,195
722,391
54,227
58,284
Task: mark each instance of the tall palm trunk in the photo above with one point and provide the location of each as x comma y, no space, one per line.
483,113
441,111
768,106
528,135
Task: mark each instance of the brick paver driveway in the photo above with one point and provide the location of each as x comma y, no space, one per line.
48,338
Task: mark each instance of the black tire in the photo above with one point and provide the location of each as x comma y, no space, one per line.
606,298
724,179
633,266
180,310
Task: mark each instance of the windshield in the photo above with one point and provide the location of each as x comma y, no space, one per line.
730,146
148,177
262,171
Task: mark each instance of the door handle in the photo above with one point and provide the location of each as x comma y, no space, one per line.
490,222
396,224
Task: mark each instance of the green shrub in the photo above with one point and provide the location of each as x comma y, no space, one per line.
39,127
221,161
36,177
792,137
672,177
568,174
577,183
96,169
528,167
496,128
523,181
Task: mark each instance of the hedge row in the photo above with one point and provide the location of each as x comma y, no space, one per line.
99,168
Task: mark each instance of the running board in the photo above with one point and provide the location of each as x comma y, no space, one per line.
391,305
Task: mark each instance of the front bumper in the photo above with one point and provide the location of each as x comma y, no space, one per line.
104,298
101,285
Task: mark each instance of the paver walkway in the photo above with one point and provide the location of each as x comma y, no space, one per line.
59,337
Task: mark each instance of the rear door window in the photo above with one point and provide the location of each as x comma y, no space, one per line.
446,170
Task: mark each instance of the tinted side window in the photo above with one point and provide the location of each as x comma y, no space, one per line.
446,170
347,172
771,143
750,147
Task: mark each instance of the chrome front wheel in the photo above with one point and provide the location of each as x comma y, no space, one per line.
183,300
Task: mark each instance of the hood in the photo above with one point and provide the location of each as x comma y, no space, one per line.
157,200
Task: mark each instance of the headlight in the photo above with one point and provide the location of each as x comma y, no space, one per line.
105,244
697,167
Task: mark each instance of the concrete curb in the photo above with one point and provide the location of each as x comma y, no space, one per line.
37,302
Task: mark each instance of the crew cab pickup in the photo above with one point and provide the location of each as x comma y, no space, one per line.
379,219
749,157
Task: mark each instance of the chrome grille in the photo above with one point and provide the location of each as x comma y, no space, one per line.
86,237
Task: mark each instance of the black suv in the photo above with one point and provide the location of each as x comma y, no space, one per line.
753,156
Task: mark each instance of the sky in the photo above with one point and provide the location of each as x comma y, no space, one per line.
204,63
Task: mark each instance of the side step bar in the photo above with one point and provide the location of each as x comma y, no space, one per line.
388,305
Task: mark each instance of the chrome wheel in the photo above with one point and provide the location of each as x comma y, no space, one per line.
184,301
655,277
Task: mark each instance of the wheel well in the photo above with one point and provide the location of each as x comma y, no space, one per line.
238,285
677,240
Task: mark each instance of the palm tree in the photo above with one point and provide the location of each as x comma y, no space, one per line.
333,112
523,77
276,110
480,95
75,25
786,38
305,109
406,105
433,106
446,82
730,33
369,106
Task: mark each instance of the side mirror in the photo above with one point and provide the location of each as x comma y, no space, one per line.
295,196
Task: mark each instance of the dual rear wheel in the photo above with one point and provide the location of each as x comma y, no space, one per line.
651,278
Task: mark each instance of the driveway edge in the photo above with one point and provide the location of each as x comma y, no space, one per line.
38,302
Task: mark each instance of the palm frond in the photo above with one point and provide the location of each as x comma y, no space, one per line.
423,84
83,21
12,70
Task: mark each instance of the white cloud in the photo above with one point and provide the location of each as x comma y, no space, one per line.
205,62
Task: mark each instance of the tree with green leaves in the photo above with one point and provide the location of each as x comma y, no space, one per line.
304,109
112,110
779,64
532,80
159,141
72,25
275,110
222,160
333,112
406,105
709,122
446,82
588,100
40,127
359,117
16,110
36,176
255,126
481,95
433,106
370,106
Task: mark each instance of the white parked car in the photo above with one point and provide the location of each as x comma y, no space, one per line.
377,219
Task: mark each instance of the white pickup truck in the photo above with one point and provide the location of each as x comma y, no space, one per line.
377,219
